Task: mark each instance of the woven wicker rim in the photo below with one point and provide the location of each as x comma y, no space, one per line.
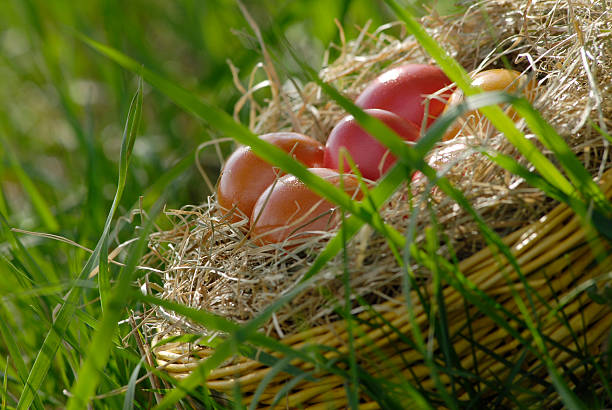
554,256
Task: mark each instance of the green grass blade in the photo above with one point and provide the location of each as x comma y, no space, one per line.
211,321
399,387
261,387
156,190
579,176
532,178
197,377
23,279
3,205
568,397
129,137
405,340
128,402
115,300
440,322
607,136
285,390
99,349
478,297
104,280
13,350
54,337
390,182
599,218
410,158
352,382
270,360
47,290
5,385
377,390
28,259
236,335
494,113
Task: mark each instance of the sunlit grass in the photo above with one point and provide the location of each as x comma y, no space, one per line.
60,133
64,334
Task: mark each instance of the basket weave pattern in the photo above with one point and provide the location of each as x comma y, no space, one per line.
559,258
554,256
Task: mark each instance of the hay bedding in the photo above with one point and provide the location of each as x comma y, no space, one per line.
212,265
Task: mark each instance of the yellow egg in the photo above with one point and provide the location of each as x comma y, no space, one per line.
498,79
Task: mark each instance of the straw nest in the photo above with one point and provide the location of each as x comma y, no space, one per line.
211,264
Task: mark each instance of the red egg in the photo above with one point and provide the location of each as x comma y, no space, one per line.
403,90
371,157
245,176
288,209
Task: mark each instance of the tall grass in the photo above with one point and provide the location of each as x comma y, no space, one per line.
60,137
67,340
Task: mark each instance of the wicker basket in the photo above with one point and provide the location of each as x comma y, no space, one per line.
555,258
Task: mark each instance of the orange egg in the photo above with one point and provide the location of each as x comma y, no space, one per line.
245,176
289,210
490,80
